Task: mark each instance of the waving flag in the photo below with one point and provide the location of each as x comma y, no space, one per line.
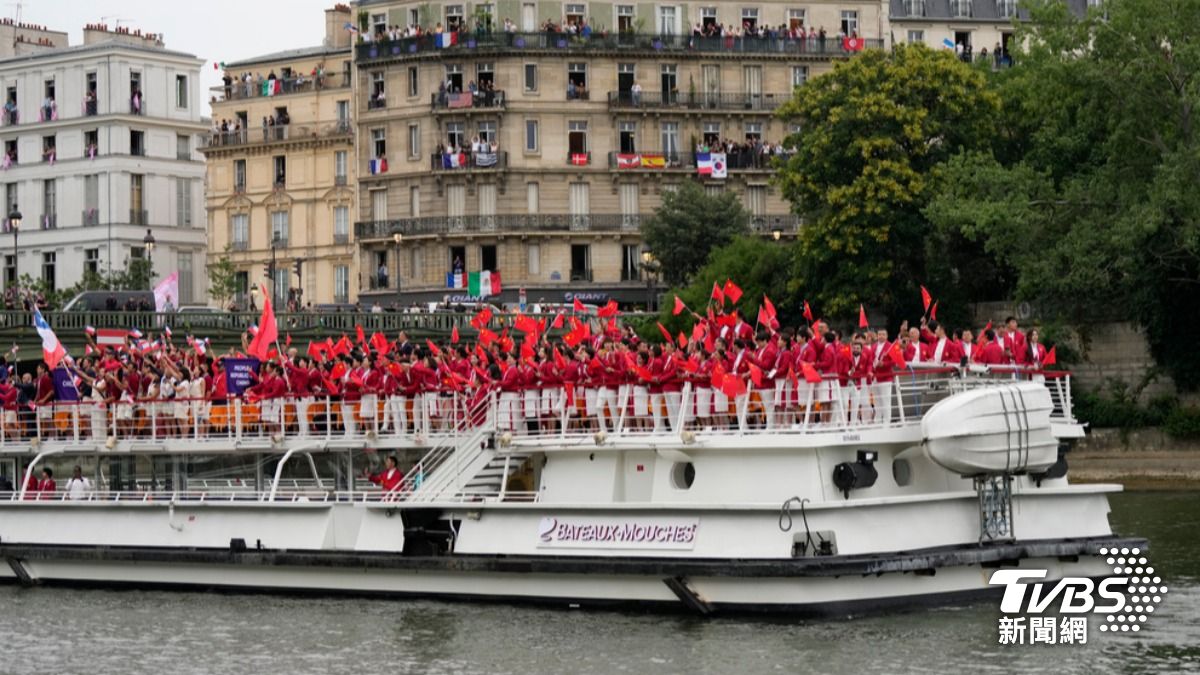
679,306
862,317
268,331
926,298
52,350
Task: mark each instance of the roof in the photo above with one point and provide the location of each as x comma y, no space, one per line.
95,47
289,55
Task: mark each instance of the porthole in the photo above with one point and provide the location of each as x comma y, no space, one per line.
901,472
683,474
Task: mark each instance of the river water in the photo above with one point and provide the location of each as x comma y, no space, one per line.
54,630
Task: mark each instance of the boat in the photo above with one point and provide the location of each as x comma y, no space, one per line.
816,514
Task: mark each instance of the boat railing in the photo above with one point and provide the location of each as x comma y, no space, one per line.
249,496
443,421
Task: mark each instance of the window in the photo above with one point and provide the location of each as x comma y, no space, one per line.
574,14
339,167
414,263
1007,8
849,22
187,293
49,273
137,143
414,202
577,81
181,91
714,189
959,8
577,137
532,198
239,175
341,283
412,81
528,17
756,200
914,7
379,205
343,115
531,135
487,132
581,262
455,135
754,131
378,99
628,194
487,257
750,17
341,224
799,76
625,20
137,215
183,202
456,201
454,77
485,73
240,226
91,143
91,199
626,75
669,78
533,259
280,162
627,133
281,282
10,271
379,23
531,77
630,258
49,149
414,140
578,197
712,132
668,20
708,16
49,204
916,36
279,228
379,142
752,79
454,17
91,261
796,19
670,140
183,146
710,76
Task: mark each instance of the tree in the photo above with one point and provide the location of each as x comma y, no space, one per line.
756,265
873,133
1092,198
222,280
688,225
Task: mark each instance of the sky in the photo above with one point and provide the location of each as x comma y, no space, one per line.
214,30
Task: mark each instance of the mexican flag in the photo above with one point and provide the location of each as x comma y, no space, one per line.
483,284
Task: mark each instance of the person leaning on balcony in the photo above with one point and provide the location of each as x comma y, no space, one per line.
635,93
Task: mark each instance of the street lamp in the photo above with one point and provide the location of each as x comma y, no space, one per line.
14,221
398,238
148,242
777,232
651,267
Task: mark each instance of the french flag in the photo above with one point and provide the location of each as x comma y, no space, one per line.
52,349
447,39
454,160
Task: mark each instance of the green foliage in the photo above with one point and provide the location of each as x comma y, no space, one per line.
1090,194
1183,423
1116,406
873,136
222,280
756,265
689,224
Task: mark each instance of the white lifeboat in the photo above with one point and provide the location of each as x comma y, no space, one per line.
992,430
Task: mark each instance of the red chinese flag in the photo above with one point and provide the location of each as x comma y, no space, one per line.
486,337
343,346
362,336
433,348
710,342
481,319
1051,357
611,327
559,361
733,387
679,306
682,340
926,298
756,375
732,291
339,369
717,293
526,351
808,315
525,324
577,305
810,374
642,372
727,320
769,307
862,317
268,332
718,376
287,340
608,311
316,350
933,312
698,332
692,365
665,333
380,342
454,335
558,321
898,356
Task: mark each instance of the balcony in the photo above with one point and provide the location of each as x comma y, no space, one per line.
342,238
374,103
137,106
579,158
340,180
139,217
301,84
48,113
377,282
11,117
239,245
649,161
90,218
466,161
557,43
699,101
431,226
275,134
91,108
581,275
467,102
49,221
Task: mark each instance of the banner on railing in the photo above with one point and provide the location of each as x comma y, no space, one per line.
64,385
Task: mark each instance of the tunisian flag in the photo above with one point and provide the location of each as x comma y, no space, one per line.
268,332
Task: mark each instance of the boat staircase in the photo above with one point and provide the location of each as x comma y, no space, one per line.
465,463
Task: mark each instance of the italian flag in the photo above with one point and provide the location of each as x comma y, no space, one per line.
483,284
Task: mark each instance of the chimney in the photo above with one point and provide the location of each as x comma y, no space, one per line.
336,35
